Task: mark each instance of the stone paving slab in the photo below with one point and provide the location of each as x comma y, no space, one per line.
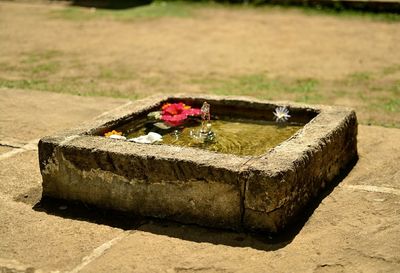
44,241
4,149
27,115
351,231
21,179
356,228
379,158
30,239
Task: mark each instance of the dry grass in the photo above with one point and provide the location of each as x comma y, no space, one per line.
278,54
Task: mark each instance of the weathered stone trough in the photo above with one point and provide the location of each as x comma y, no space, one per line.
192,185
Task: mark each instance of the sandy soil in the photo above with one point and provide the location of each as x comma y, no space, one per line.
227,41
350,61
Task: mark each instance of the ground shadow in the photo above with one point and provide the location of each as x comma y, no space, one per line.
340,5
194,233
110,4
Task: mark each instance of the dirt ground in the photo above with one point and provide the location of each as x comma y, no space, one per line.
271,53
355,228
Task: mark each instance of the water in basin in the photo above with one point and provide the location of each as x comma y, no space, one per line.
233,136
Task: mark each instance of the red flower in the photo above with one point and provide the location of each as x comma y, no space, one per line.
175,114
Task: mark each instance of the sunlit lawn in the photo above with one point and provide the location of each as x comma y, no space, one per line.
50,70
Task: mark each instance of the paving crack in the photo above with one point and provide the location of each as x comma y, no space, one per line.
99,251
371,188
379,258
10,144
30,146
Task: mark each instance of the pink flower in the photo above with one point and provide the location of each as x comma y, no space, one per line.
175,114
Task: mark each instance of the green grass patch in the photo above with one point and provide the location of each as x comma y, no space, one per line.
23,84
359,77
261,86
115,73
42,62
389,100
67,86
48,70
256,85
182,9
372,97
391,69
395,88
392,105
40,55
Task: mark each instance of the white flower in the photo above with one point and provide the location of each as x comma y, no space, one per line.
147,139
117,137
281,114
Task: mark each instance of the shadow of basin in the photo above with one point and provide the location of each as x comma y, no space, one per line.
266,192
264,241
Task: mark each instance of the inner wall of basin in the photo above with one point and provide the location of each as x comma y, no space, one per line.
241,128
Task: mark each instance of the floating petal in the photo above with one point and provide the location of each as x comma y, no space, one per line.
117,137
147,139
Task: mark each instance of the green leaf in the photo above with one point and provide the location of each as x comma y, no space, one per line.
162,126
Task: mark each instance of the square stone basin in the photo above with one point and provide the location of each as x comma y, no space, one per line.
264,192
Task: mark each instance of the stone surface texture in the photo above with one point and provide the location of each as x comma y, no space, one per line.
190,185
356,228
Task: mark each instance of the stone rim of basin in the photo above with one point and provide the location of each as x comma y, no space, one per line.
266,192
